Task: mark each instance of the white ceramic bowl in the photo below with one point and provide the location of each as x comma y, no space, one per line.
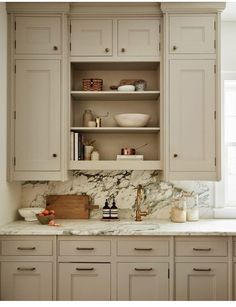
29,213
126,88
132,119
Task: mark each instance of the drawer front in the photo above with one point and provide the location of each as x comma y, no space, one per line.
26,248
85,248
142,248
194,248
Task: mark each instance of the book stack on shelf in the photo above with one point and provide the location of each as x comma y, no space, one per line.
129,157
76,146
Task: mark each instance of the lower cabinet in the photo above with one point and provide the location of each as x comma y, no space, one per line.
26,281
84,282
143,281
201,281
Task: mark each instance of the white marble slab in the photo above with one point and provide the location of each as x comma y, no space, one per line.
123,228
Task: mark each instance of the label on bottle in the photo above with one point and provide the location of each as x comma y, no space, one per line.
114,213
106,213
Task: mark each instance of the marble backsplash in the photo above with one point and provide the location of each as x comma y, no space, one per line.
101,185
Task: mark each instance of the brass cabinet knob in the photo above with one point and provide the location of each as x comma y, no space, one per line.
175,155
174,47
54,155
55,48
122,49
107,50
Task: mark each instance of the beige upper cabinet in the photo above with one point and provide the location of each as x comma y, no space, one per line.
143,281
37,35
138,38
37,115
192,116
192,34
201,281
91,37
26,281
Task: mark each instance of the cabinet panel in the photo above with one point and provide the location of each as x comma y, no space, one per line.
142,281
201,281
192,115
38,35
26,281
91,37
37,124
138,38
192,34
84,282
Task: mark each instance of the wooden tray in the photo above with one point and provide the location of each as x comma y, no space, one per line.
70,206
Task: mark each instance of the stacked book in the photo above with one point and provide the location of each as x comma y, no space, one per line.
76,146
129,157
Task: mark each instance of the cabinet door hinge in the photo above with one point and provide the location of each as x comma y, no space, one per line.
214,25
70,27
159,46
15,25
214,44
215,161
215,115
14,115
168,273
70,46
14,161
15,44
159,28
15,68
215,68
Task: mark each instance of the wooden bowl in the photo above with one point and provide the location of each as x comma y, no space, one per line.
44,220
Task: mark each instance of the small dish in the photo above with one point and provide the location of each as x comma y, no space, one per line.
126,88
29,213
132,119
44,219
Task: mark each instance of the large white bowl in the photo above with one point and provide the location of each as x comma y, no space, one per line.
132,119
29,213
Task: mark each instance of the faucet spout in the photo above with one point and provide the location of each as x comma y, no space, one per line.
138,212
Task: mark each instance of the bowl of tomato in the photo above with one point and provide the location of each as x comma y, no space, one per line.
45,216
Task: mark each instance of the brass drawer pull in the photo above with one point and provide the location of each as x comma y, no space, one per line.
143,249
26,248
26,269
144,269
84,269
202,270
202,249
85,248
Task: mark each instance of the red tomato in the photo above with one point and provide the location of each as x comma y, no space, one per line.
52,212
45,212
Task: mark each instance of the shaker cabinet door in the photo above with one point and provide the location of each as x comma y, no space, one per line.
26,281
91,37
143,281
84,282
192,116
37,119
201,282
138,38
38,35
192,34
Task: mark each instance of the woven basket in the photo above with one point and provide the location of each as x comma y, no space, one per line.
92,84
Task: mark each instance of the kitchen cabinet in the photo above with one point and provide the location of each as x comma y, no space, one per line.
138,38
91,37
37,115
192,116
84,282
133,38
143,281
26,281
192,34
37,35
201,281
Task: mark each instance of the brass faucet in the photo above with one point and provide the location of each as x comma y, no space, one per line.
138,212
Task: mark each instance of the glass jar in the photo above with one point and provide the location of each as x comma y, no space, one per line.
178,211
192,207
87,117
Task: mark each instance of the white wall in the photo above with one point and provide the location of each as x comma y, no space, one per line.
228,49
10,193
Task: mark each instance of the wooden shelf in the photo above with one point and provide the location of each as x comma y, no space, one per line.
115,95
115,165
117,129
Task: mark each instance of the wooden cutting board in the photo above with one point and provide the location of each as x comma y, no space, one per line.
69,206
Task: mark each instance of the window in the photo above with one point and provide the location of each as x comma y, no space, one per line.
226,189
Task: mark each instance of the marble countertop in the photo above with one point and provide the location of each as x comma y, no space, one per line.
213,227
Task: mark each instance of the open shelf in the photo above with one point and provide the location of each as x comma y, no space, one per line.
117,129
115,165
115,95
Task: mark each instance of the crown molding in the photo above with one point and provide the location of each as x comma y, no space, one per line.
192,7
38,7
